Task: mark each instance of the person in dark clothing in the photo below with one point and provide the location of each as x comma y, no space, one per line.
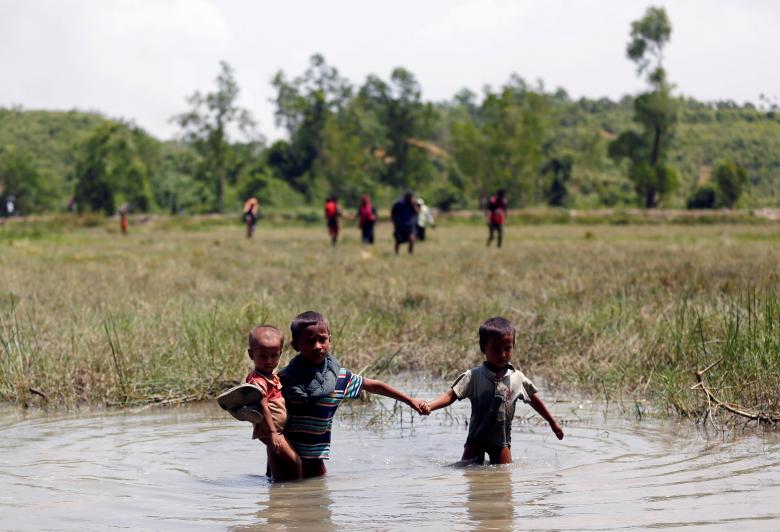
404,215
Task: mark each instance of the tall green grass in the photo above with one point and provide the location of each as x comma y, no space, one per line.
621,312
740,333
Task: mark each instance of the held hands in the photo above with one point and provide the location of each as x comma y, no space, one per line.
419,406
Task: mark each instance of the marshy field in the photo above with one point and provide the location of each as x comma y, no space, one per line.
620,313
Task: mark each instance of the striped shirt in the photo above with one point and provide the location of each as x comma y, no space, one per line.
309,422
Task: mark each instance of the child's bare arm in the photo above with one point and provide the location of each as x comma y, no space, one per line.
276,438
538,405
443,401
382,388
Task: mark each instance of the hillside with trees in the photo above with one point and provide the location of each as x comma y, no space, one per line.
382,136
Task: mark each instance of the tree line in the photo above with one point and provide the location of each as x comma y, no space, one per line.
381,137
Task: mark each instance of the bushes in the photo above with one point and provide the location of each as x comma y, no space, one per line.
704,197
729,181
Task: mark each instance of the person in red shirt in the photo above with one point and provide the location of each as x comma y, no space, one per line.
495,215
366,216
123,222
332,214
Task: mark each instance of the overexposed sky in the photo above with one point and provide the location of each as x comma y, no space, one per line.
140,59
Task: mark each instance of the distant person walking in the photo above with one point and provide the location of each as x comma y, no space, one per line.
495,215
424,219
332,214
404,215
250,215
123,222
366,216
10,206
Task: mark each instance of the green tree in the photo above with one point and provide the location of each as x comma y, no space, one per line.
20,178
207,128
730,179
406,119
469,146
304,106
502,145
655,111
113,166
704,197
649,35
346,162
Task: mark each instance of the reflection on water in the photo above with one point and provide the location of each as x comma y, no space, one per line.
489,496
196,468
294,504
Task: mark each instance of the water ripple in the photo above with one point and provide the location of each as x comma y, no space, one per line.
194,468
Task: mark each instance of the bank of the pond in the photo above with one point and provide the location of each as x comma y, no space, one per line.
622,312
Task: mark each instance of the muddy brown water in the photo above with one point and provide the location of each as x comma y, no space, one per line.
193,467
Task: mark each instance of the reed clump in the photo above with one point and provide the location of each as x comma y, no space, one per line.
615,311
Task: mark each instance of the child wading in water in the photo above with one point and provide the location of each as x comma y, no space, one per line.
314,384
493,389
260,402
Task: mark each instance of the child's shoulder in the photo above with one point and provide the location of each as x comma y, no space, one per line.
465,376
261,380
476,370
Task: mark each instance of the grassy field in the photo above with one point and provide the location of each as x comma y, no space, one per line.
623,312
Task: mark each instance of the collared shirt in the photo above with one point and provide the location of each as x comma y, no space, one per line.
492,402
271,388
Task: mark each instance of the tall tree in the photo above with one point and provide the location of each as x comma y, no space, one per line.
730,179
113,165
406,119
304,106
207,127
501,144
655,111
20,178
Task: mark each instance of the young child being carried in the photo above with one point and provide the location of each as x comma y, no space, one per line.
493,389
314,384
259,400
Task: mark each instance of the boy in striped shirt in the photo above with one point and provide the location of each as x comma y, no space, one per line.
314,384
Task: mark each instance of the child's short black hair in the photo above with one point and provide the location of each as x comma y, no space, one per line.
305,320
261,330
494,327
